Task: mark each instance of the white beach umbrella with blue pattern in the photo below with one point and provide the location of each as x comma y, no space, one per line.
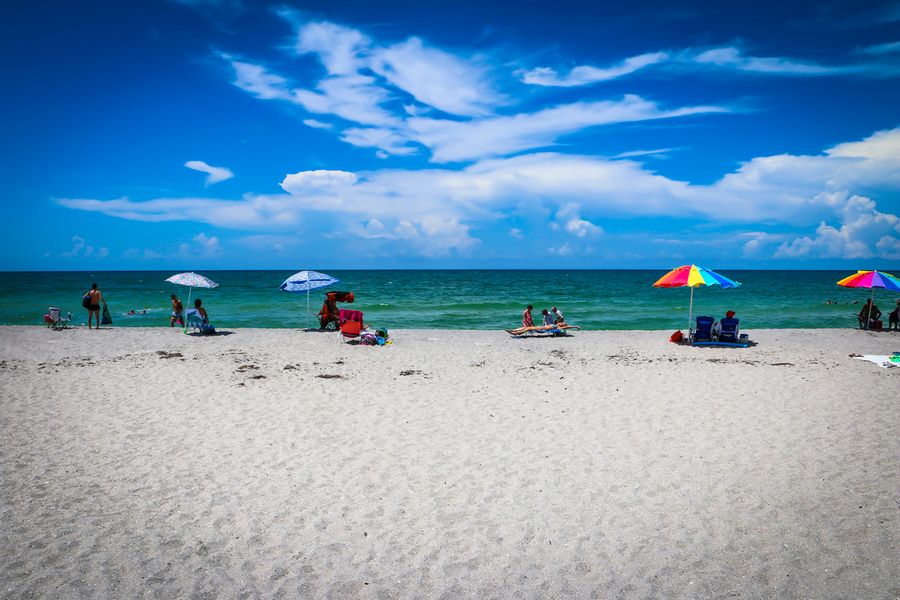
304,281
192,280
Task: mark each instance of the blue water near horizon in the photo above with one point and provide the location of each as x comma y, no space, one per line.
451,299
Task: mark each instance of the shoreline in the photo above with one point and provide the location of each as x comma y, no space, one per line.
451,463
77,327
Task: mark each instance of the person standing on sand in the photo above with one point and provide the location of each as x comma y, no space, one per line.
93,298
177,312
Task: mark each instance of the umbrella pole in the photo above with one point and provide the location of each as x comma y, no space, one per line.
307,308
871,304
691,310
184,312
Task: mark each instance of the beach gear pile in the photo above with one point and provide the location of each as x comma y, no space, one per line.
374,337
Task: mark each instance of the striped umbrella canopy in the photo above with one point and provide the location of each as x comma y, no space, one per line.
304,281
871,279
693,276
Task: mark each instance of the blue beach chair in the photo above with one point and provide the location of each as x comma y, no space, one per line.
729,330
703,332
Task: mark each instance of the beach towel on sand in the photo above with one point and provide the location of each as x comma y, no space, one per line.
879,359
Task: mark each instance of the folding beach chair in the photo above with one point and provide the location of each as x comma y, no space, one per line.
729,330
703,332
55,320
351,324
193,320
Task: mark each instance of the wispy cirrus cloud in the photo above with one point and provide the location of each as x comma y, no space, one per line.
213,174
586,74
887,48
451,140
730,58
402,98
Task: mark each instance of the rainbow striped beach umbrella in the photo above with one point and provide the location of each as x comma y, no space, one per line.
693,276
871,279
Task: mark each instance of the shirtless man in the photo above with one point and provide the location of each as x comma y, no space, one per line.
93,307
177,312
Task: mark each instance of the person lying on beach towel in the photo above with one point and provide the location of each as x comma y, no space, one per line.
548,325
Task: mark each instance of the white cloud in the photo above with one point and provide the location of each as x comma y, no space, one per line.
563,250
368,85
436,78
305,181
733,58
214,174
659,152
354,98
880,145
81,249
570,219
888,48
396,204
200,246
467,140
722,57
388,141
516,232
583,75
316,124
338,47
863,231
257,80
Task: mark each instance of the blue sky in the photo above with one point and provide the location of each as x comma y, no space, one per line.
235,134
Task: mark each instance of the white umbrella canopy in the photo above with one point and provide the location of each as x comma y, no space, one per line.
304,281
192,280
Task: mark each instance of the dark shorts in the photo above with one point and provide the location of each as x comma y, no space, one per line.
94,307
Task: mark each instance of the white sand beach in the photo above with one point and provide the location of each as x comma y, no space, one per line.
144,463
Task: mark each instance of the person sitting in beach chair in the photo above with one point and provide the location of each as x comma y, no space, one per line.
55,320
868,314
198,319
728,329
704,330
329,317
894,318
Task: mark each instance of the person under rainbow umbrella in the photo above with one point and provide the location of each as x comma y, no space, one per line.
871,279
693,276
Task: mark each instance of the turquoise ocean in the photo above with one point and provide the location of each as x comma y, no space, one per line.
450,299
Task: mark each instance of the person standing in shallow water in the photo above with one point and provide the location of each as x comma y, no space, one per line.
92,300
